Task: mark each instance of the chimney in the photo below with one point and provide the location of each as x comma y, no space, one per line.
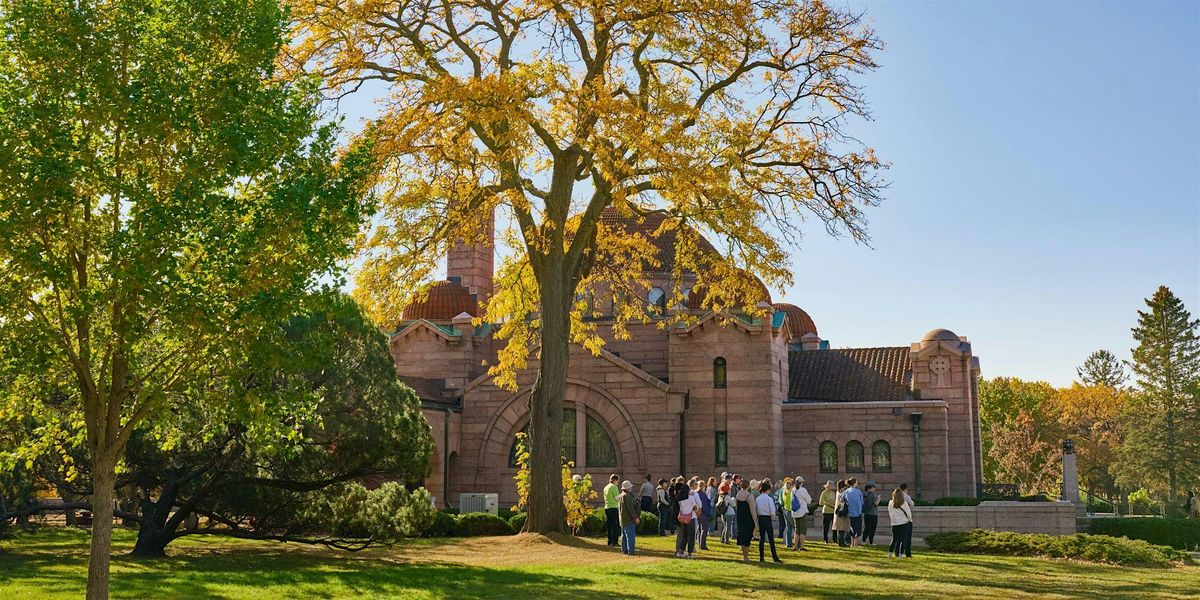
472,264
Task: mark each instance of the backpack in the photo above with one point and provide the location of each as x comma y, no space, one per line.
795,502
722,504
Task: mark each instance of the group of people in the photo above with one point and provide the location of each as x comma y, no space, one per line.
743,511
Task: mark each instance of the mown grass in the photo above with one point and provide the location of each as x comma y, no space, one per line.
52,564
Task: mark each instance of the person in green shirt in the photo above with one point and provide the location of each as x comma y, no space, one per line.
612,518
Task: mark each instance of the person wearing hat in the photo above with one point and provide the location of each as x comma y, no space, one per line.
629,512
870,513
798,505
828,497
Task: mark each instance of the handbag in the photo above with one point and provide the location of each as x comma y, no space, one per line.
685,518
842,510
795,502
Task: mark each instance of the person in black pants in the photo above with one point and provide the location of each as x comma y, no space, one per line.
870,514
765,506
612,516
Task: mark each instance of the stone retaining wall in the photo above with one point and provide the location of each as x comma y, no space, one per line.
1055,518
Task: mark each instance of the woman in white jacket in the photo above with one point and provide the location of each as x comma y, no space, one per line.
900,513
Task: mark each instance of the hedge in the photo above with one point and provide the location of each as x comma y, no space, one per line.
1080,546
1181,534
473,524
517,521
444,525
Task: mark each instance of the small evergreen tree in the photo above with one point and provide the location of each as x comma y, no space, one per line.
1102,368
1162,427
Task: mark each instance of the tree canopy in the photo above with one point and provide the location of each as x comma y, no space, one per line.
164,197
727,116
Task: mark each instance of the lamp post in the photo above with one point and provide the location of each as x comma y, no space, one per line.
916,429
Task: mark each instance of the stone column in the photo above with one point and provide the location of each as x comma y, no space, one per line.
1070,487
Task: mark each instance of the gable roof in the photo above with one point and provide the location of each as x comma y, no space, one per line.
430,391
849,375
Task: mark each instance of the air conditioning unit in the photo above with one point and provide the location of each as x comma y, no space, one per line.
483,503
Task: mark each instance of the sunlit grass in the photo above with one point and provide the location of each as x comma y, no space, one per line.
52,564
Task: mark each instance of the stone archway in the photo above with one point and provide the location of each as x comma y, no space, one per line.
588,400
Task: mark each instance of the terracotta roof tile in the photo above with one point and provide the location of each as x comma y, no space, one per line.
429,391
849,375
441,301
798,321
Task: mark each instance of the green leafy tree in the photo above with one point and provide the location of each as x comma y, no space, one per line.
1102,368
164,197
340,416
1160,449
1001,402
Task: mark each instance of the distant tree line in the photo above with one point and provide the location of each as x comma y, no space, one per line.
1130,435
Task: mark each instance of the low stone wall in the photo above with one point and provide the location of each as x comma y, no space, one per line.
1055,518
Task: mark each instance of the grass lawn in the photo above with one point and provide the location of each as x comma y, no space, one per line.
52,564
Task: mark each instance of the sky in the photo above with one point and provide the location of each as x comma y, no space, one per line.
1045,179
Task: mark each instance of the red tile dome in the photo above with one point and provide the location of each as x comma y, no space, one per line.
798,321
441,301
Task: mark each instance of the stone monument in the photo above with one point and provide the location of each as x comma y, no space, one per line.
1070,485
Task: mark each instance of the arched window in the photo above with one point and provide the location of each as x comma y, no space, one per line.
658,299
854,457
719,373
600,451
829,457
568,439
881,457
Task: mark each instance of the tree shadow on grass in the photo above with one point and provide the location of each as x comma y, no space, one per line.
294,575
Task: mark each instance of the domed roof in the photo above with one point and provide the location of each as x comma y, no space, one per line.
695,300
441,301
798,321
940,335
647,226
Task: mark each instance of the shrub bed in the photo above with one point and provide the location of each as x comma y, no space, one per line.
1181,534
1081,546
473,524
647,524
517,521
444,525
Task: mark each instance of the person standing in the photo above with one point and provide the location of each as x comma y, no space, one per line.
854,507
798,504
728,503
788,531
870,514
612,518
664,509
629,511
841,516
1193,505
688,512
901,516
765,507
747,516
908,528
647,495
735,486
707,511
828,497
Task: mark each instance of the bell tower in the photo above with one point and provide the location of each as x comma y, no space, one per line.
471,264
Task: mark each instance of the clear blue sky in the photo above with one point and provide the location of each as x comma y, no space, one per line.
1045,179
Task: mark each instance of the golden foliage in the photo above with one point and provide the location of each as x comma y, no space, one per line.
725,114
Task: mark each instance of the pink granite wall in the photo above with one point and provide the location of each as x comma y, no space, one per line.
807,425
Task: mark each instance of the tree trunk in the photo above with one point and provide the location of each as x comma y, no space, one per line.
153,534
546,513
103,479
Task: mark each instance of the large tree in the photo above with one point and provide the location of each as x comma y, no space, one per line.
1102,368
339,415
1091,417
1160,449
164,197
727,115
1002,401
